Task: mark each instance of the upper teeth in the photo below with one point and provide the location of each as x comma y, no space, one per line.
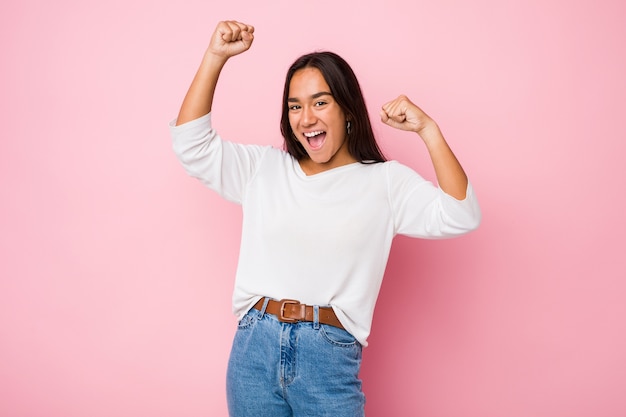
311,134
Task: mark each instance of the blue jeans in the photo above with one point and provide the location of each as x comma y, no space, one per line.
300,369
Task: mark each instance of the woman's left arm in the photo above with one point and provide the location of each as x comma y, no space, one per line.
403,114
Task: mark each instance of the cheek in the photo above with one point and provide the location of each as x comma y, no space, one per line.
293,123
340,130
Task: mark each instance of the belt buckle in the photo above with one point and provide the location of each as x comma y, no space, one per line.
284,319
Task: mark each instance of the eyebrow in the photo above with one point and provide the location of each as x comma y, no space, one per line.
314,96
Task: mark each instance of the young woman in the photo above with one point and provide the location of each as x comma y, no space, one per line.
319,219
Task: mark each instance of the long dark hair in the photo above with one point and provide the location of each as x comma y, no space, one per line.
346,91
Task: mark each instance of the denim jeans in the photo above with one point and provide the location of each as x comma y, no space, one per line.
299,369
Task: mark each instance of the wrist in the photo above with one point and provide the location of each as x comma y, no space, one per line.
429,131
213,60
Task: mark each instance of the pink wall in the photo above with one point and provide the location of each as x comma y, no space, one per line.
116,268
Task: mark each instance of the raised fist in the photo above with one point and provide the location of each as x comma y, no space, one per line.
231,38
403,114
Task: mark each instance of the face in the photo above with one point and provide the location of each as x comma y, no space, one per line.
317,121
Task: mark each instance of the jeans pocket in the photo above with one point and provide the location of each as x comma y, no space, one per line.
337,337
246,321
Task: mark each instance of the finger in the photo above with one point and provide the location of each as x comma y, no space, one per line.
399,118
234,32
247,37
392,123
395,111
239,29
386,112
224,32
388,107
393,107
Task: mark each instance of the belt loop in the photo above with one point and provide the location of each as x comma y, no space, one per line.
316,317
267,300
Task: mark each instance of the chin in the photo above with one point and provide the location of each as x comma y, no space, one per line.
320,160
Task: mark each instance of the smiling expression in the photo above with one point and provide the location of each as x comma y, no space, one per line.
317,121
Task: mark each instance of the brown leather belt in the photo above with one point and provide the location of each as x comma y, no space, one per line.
291,311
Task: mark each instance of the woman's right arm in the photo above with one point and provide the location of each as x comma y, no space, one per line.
230,38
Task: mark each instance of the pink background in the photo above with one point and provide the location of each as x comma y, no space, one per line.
116,269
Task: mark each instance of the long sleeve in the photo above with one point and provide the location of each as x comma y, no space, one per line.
423,210
224,167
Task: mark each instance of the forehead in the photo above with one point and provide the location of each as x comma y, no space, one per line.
306,82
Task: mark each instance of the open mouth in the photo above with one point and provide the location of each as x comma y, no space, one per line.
316,139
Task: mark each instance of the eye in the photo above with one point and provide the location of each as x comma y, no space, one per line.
319,103
294,107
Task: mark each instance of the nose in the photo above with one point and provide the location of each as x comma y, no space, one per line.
308,116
